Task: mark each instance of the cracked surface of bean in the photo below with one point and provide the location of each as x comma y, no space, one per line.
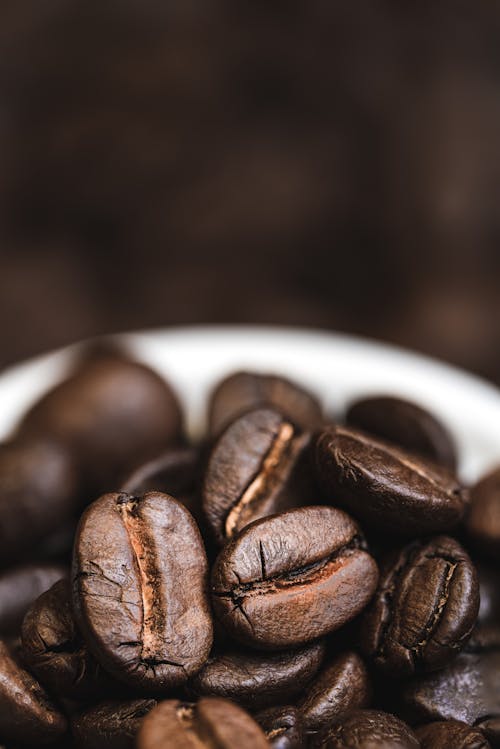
291,578
424,610
140,589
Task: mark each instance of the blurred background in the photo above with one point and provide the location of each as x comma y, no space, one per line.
315,163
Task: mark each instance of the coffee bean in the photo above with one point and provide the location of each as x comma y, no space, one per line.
27,714
450,734
342,686
211,723
175,472
19,589
283,727
38,494
489,594
113,413
405,424
246,391
250,472
139,587
291,578
483,518
424,609
367,729
257,680
468,690
111,724
490,728
54,650
385,487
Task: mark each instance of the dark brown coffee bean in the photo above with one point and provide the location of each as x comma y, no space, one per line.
257,680
450,734
54,650
140,589
27,714
367,729
112,724
468,690
212,723
38,493
385,487
291,578
19,589
483,518
246,391
342,686
405,424
250,472
489,594
424,610
175,472
283,727
113,413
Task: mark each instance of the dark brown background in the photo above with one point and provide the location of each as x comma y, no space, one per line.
315,163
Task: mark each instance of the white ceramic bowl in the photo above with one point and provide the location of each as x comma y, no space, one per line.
337,367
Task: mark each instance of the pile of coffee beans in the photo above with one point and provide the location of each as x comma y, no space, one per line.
295,580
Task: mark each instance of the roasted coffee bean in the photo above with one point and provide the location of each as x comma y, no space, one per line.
367,729
246,391
27,714
424,610
54,650
38,493
385,487
405,424
140,589
467,690
20,587
250,472
113,413
113,724
257,680
450,734
483,518
342,686
489,594
291,578
175,472
283,727
211,723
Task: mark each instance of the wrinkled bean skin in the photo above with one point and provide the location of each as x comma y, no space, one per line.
468,690
342,686
211,723
450,734
113,413
424,609
20,587
256,680
56,653
483,518
367,729
291,578
250,472
38,479
283,727
385,487
27,715
405,424
140,589
111,724
246,391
